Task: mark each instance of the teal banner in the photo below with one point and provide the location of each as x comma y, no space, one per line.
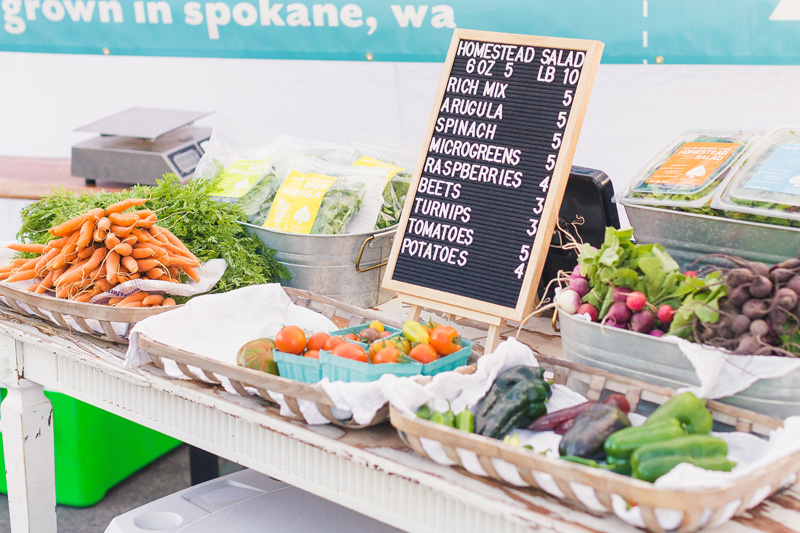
634,31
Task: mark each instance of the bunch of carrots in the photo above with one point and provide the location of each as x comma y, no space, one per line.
102,248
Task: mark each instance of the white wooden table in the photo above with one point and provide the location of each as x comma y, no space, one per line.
369,470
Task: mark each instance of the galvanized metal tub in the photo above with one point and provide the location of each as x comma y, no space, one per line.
688,236
347,268
661,362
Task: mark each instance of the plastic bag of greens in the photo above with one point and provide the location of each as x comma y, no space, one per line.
398,159
250,184
318,197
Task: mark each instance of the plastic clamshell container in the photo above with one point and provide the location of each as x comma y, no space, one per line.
342,369
298,367
357,330
94,450
765,182
448,362
660,361
688,172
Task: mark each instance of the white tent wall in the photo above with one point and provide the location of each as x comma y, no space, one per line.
634,110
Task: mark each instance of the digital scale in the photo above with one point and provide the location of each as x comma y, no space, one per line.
140,145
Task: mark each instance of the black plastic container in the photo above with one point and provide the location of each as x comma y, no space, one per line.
586,210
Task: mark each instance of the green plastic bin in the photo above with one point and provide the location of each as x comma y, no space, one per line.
94,450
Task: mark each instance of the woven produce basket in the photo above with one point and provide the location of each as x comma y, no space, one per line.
343,315
699,508
78,316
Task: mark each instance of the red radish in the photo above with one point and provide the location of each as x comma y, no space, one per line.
618,314
636,301
620,294
656,333
580,285
588,309
665,313
690,273
643,321
576,272
569,301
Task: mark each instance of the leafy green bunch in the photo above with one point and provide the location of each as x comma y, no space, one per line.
649,269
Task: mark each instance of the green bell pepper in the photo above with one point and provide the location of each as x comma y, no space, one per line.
502,383
516,407
651,461
465,421
689,409
623,443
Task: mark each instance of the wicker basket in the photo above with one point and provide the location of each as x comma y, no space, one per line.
699,508
73,316
343,315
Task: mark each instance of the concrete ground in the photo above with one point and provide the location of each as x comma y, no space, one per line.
164,476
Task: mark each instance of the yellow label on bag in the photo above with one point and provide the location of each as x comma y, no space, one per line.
367,161
693,163
297,202
240,177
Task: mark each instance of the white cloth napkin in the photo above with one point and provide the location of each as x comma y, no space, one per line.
722,374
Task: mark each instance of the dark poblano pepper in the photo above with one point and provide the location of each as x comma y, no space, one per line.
689,409
590,431
515,407
502,383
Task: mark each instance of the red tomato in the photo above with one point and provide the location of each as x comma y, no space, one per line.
424,353
385,333
332,343
348,350
386,355
445,340
317,341
290,339
313,354
351,336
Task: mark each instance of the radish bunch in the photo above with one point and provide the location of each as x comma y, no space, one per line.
760,314
629,310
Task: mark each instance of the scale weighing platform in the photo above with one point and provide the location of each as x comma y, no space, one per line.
139,145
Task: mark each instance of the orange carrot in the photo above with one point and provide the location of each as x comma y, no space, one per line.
101,229
65,228
84,296
119,207
131,304
121,231
114,301
86,231
167,301
147,222
134,297
111,241
141,252
22,275
14,264
103,285
27,248
112,267
123,248
57,243
86,252
41,264
153,299
143,213
171,237
192,273
45,284
123,219
79,273
130,264
181,261
130,239
146,264
142,235
155,273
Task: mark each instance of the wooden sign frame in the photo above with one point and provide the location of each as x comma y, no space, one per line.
460,305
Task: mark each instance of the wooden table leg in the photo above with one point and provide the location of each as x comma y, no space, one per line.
27,417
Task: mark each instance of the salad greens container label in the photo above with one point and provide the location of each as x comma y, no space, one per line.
237,179
297,202
693,163
367,161
780,173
